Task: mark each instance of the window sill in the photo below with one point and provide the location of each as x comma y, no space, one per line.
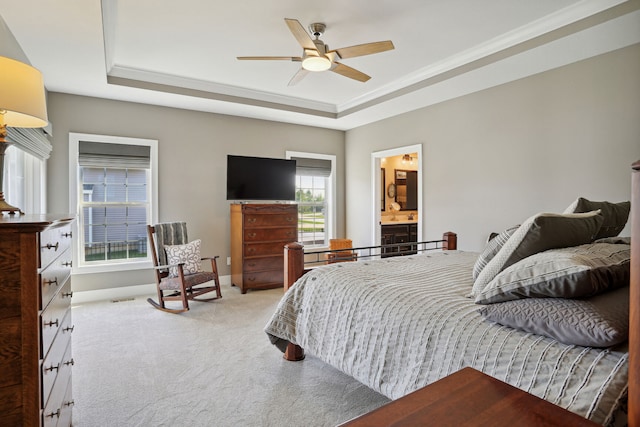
114,267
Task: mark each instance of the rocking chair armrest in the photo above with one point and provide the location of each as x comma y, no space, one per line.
209,257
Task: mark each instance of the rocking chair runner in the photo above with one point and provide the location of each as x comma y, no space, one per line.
179,286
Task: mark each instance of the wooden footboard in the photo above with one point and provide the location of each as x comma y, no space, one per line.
294,269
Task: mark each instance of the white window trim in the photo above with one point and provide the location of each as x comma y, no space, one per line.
330,228
74,198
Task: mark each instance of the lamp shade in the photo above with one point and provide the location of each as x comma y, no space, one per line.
22,95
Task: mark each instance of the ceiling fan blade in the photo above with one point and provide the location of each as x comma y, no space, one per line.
352,73
300,34
364,49
270,58
298,76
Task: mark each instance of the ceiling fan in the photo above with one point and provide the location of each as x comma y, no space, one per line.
316,55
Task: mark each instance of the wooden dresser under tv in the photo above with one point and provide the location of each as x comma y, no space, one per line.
258,235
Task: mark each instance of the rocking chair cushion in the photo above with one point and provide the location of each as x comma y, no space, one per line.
189,254
173,283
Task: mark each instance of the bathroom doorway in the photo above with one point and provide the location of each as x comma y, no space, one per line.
397,188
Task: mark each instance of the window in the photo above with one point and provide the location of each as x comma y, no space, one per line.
25,165
114,195
315,196
24,180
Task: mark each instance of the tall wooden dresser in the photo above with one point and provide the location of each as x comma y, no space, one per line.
35,296
258,235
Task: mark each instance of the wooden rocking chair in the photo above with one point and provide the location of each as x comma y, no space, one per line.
173,283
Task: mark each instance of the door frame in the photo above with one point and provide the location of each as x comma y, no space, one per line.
375,185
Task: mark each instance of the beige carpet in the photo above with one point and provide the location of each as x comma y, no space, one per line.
211,366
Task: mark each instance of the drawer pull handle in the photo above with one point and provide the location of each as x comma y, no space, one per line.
290,219
54,414
69,328
251,250
51,246
67,294
252,234
70,362
67,264
51,323
51,282
69,234
251,220
69,403
51,368
251,279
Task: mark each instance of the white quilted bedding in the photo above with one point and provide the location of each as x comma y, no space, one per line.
398,324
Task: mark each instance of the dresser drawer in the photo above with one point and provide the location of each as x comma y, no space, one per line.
53,277
264,277
55,408
266,220
289,234
54,365
66,409
258,249
261,264
51,319
53,242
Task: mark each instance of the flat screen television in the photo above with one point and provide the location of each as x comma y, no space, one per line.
260,178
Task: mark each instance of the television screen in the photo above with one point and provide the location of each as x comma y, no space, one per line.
260,178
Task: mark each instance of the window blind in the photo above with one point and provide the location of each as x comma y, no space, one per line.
313,167
108,155
32,140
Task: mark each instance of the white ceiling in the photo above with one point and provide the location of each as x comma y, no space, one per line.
183,53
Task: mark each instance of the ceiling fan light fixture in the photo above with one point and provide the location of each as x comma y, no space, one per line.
316,63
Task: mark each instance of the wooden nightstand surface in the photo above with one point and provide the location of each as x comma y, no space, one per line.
469,398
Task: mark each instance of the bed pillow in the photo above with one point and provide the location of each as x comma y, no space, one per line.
491,249
574,272
600,321
539,233
189,254
615,215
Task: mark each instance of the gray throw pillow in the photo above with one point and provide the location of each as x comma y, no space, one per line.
615,215
491,249
600,321
574,272
539,233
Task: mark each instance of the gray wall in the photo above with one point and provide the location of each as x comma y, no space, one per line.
492,159
192,156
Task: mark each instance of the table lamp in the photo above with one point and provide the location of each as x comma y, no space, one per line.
22,105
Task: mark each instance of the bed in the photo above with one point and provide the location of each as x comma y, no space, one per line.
398,324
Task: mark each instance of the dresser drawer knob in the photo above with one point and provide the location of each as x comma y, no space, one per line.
290,219
252,235
51,323
51,282
251,279
251,250
251,220
67,294
51,246
52,368
69,234
69,328
69,403
67,264
70,362
54,414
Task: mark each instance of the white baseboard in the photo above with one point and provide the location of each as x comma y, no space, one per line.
123,292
